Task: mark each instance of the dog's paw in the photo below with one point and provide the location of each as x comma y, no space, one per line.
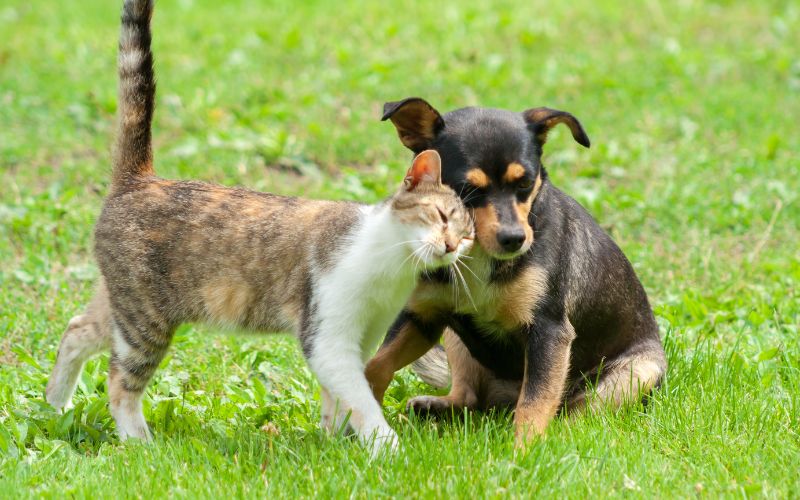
429,405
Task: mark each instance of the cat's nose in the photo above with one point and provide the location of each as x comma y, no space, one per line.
449,247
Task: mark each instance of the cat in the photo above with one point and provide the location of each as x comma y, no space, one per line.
335,272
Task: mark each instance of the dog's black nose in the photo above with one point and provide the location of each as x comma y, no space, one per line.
511,240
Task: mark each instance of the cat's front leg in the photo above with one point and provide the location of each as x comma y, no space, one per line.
335,358
334,414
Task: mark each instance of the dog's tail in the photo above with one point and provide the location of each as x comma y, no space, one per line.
432,368
133,154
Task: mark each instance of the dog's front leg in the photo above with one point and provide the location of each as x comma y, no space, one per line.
408,339
546,365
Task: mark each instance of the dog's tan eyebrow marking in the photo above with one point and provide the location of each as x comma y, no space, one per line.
478,178
537,186
514,172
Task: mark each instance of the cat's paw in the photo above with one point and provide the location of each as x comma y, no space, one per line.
384,442
131,425
337,423
429,405
326,421
135,434
61,405
58,395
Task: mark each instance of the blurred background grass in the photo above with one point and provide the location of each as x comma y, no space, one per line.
692,110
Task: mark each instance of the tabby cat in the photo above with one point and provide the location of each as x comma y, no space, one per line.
170,252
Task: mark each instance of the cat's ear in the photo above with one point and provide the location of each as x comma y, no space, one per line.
427,167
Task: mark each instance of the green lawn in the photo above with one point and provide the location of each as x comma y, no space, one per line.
692,108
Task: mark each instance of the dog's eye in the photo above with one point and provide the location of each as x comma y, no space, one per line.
524,184
442,215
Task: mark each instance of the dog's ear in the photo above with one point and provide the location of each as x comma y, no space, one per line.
541,120
427,167
416,121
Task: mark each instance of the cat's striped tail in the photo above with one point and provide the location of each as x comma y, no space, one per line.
133,154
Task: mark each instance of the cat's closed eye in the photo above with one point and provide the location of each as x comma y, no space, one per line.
442,215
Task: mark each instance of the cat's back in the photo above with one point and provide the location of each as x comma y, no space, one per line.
161,209
175,238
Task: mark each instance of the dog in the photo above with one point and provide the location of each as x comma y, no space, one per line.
549,314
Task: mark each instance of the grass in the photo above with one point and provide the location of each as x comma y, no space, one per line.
692,110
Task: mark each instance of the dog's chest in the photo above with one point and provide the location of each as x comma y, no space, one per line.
496,308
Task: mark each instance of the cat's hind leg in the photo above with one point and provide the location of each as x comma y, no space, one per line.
138,347
87,335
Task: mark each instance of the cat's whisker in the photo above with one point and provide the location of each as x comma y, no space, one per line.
412,255
400,267
470,195
428,254
455,291
417,261
472,272
454,284
422,257
398,244
466,288
464,186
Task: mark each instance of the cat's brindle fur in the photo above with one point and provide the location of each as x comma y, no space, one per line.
170,252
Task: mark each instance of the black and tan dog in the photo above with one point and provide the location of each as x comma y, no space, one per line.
550,313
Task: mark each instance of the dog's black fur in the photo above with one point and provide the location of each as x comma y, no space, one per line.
589,318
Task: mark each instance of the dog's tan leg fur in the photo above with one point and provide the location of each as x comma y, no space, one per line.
407,346
538,403
468,378
623,380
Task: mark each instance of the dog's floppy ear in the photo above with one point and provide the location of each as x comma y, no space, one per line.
416,121
541,120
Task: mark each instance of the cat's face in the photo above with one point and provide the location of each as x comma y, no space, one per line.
439,229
